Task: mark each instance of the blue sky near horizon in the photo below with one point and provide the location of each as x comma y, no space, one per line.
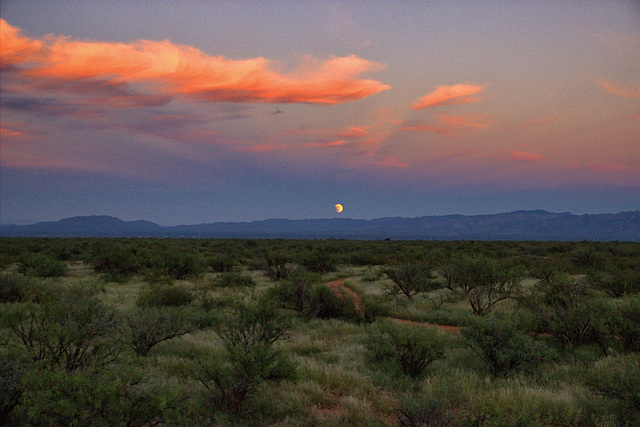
192,112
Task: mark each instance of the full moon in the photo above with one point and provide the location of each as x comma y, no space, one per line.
339,207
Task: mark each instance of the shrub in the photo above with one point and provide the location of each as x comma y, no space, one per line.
618,378
623,323
11,389
71,330
248,334
91,398
177,265
412,279
148,326
411,349
11,288
568,310
276,266
503,344
40,265
482,281
165,295
295,292
117,263
319,261
233,279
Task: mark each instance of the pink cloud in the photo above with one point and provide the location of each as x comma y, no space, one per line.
598,166
353,132
448,95
169,69
620,91
524,156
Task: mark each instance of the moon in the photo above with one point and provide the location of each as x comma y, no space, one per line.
339,207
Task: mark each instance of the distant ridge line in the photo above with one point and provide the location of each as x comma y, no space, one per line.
516,225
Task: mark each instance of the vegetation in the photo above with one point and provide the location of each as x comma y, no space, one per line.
327,332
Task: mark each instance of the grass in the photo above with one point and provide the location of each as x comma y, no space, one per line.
335,384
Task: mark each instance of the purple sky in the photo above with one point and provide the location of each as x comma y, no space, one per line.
203,111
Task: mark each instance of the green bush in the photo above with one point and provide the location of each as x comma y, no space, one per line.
12,288
623,323
165,295
248,333
412,279
618,378
233,279
148,326
40,265
409,348
482,281
91,398
71,330
504,345
117,263
11,388
319,261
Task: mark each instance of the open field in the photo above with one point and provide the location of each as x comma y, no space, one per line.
319,332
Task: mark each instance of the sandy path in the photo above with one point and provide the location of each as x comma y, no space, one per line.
339,287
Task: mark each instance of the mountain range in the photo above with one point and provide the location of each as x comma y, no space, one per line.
518,225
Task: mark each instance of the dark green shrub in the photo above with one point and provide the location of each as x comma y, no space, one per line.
233,279
276,266
40,265
165,295
504,345
618,378
295,292
623,323
148,326
412,279
178,265
319,261
248,333
409,348
568,310
325,303
11,389
11,288
482,281
222,263
70,330
92,398
117,263
616,283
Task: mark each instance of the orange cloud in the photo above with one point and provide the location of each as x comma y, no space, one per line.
448,95
598,166
620,91
524,156
173,69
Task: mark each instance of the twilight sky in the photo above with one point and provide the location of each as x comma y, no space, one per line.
203,111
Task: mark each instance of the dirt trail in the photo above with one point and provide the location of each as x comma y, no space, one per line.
339,287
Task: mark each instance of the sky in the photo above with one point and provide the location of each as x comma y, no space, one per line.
203,111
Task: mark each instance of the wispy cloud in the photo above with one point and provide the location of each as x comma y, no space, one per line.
167,69
447,124
620,91
599,166
525,156
461,93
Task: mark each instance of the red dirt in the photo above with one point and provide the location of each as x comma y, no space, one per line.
339,287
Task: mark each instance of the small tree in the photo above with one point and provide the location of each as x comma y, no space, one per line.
409,348
483,282
412,279
148,326
72,330
503,344
248,333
